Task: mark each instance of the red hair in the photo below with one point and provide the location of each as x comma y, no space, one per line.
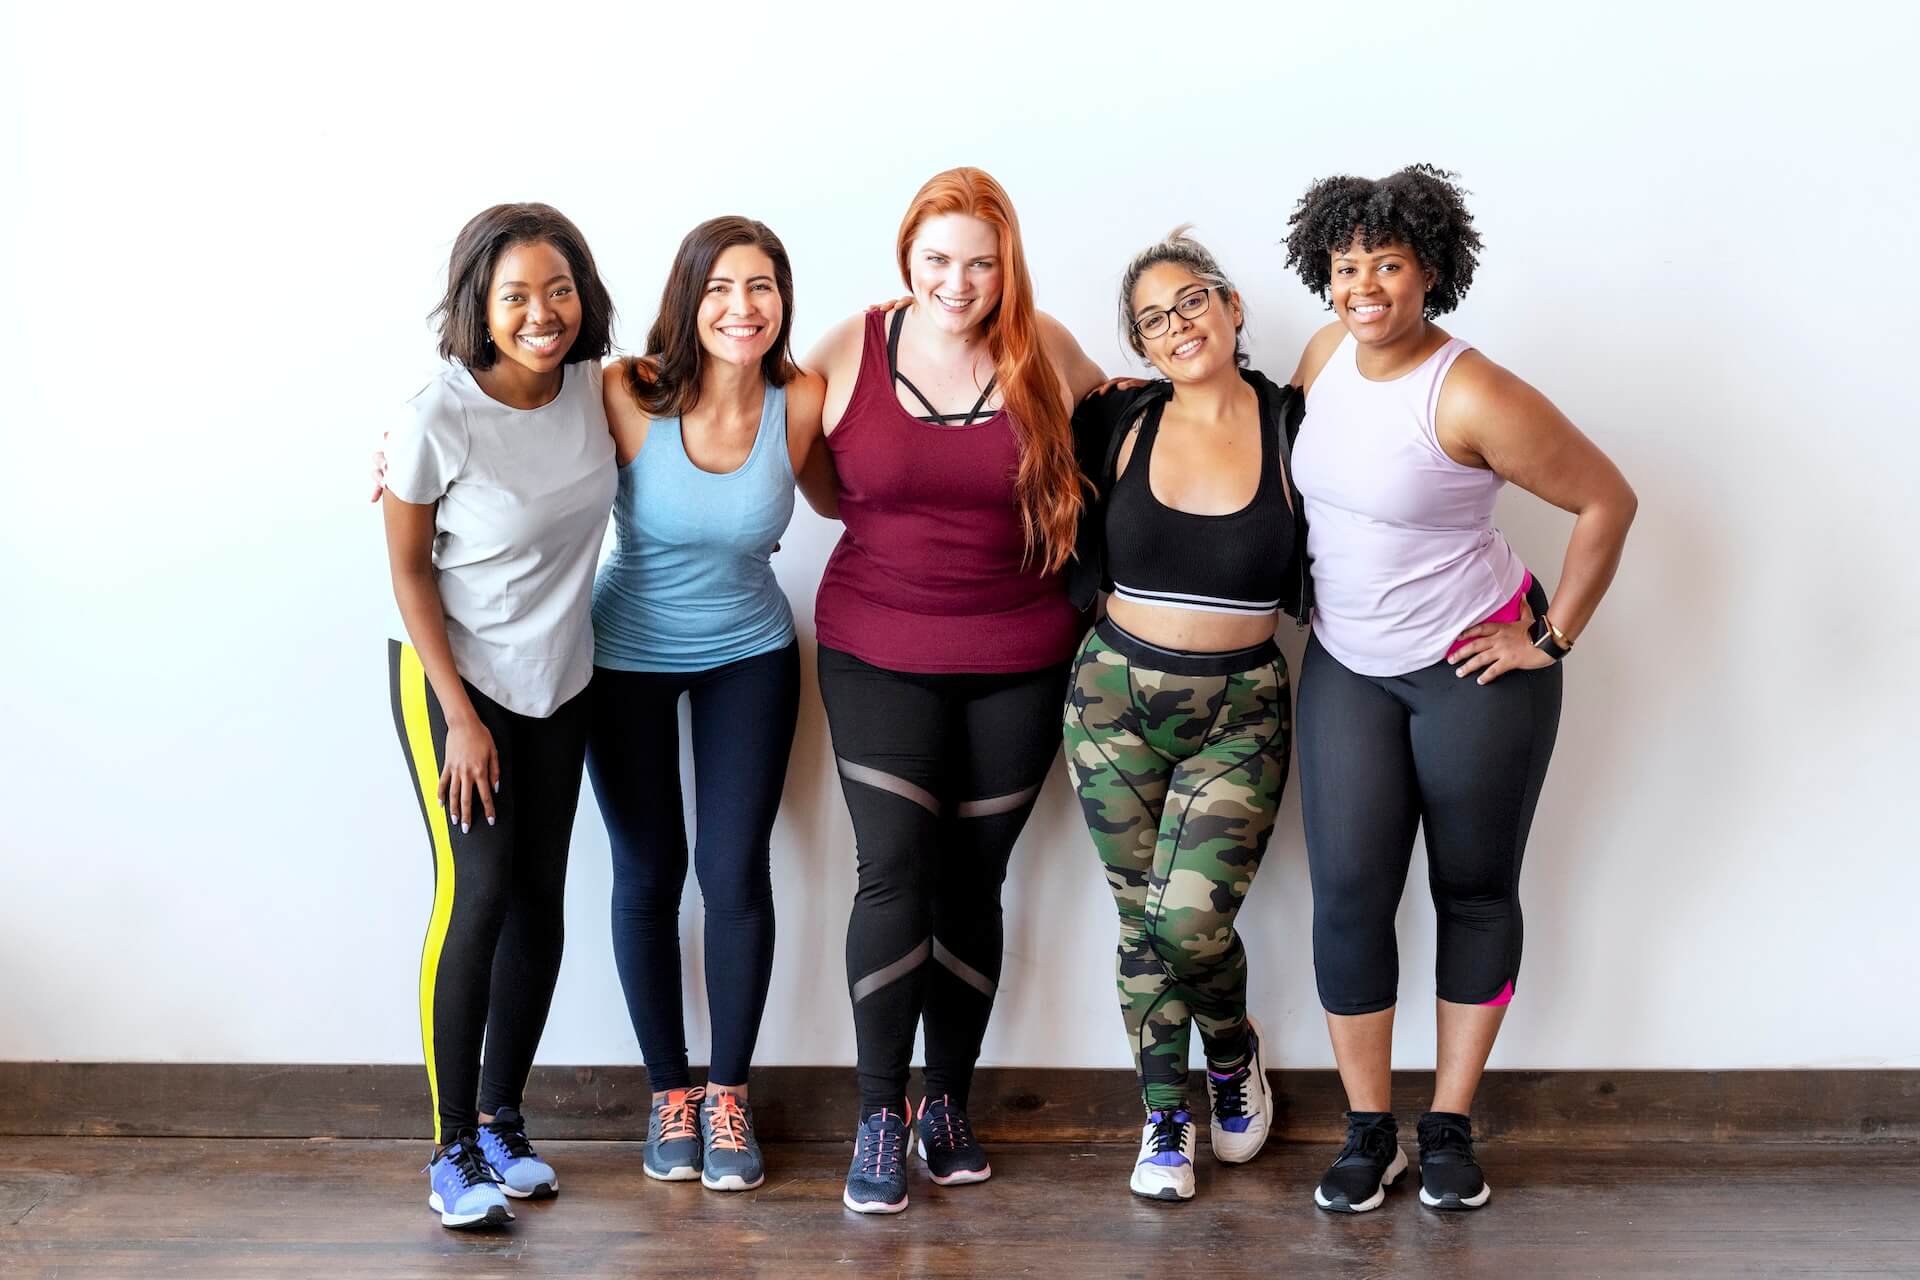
1047,484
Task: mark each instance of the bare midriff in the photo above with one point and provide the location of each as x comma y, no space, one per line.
1192,630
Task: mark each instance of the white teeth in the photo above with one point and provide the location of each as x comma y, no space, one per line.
1188,347
949,302
1368,309
539,339
739,331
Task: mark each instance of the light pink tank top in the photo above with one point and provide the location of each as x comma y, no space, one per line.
1405,555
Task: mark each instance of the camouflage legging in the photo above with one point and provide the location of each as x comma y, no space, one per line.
1179,774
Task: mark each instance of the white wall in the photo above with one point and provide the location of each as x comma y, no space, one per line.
224,230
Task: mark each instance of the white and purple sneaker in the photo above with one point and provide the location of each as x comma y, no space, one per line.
1165,1168
1242,1105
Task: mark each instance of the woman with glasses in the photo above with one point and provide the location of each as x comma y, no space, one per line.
1177,716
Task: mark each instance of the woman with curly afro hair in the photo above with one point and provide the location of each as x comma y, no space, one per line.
1430,690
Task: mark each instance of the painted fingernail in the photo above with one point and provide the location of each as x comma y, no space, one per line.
463,828
496,788
489,819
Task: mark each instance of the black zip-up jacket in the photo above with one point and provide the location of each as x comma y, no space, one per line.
1101,423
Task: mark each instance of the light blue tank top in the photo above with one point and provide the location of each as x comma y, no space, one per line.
690,583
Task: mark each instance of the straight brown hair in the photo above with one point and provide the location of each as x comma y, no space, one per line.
674,353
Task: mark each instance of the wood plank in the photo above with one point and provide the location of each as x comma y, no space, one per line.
805,1104
107,1208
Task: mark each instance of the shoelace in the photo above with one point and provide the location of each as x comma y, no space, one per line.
727,1121
1371,1142
1230,1093
880,1152
1169,1131
513,1136
681,1118
469,1164
947,1126
1444,1135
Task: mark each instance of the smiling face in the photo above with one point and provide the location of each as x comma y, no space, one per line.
1197,341
533,307
955,271
740,312
1380,293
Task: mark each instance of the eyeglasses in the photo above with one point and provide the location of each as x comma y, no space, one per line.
1190,305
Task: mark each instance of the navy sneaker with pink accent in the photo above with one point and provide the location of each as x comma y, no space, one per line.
877,1179
952,1154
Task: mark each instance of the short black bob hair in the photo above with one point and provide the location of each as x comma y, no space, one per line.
1421,207
462,313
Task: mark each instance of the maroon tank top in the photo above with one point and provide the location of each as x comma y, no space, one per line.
927,576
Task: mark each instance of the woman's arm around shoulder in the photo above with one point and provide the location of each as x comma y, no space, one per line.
807,444
836,359
625,418
1320,349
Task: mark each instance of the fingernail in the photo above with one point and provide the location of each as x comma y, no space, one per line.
496,788
489,819
463,828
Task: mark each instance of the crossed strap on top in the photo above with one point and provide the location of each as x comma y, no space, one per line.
932,414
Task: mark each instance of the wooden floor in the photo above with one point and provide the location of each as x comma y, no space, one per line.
106,1207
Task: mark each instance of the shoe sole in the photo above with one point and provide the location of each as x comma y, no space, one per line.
959,1177
541,1191
730,1182
683,1173
872,1206
1164,1194
497,1215
1452,1200
1379,1196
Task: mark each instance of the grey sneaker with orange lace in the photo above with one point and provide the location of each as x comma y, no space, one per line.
729,1153
673,1136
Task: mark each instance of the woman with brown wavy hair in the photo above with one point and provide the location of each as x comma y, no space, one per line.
945,633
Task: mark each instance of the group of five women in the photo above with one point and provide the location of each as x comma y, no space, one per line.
994,490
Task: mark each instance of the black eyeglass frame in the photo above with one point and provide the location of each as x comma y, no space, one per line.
1205,292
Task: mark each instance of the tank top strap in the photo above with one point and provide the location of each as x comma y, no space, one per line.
1139,461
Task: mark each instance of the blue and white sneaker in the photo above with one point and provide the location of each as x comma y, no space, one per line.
465,1191
1242,1106
503,1141
1164,1170
877,1180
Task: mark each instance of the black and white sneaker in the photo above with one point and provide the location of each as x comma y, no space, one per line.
1366,1166
1450,1177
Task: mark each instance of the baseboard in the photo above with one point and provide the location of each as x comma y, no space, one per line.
1009,1104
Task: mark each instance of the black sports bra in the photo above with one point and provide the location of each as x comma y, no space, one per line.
1234,563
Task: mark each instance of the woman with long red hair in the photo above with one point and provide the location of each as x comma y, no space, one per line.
945,634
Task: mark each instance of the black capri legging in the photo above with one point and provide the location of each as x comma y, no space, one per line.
1382,755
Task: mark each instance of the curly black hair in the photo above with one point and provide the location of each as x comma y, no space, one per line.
1420,207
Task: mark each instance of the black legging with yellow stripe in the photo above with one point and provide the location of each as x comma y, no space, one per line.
493,945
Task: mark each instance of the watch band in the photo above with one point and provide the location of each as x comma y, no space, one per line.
1549,639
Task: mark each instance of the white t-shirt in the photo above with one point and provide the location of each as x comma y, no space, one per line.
523,496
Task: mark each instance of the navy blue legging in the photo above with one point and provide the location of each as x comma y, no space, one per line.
1383,755
743,722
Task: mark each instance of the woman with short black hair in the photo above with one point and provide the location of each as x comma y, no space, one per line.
1408,437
